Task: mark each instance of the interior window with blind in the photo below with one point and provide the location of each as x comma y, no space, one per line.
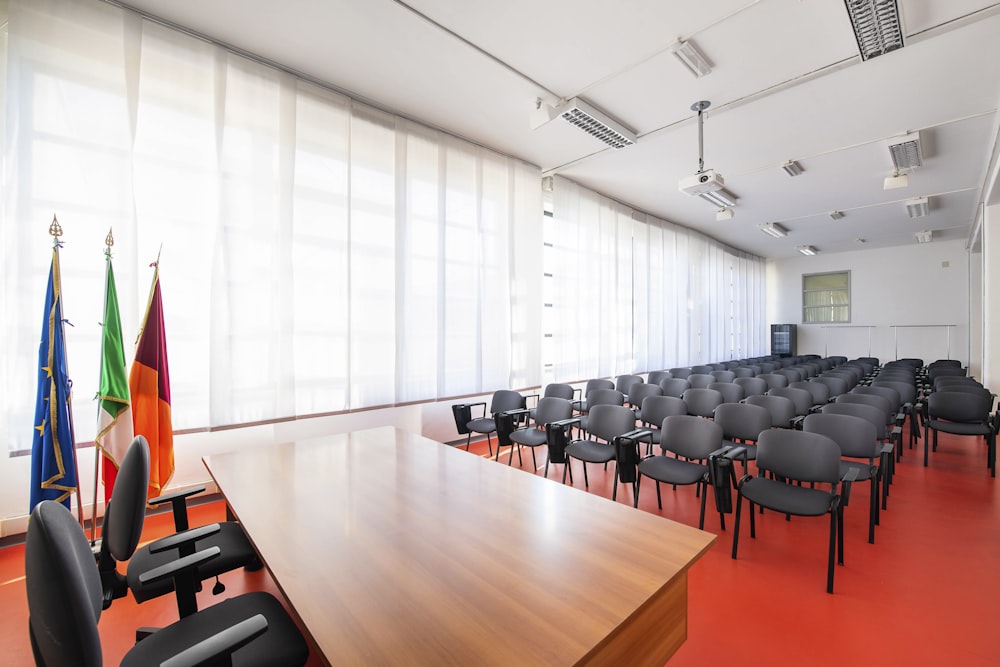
826,297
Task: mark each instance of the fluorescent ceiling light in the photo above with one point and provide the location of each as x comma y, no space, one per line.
836,215
724,214
792,168
924,236
773,229
807,250
721,198
692,58
895,182
917,207
596,123
906,152
876,26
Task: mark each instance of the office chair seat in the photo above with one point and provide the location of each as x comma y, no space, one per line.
672,471
236,552
591,451
776,495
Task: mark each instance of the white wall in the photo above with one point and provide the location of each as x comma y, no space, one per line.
920,284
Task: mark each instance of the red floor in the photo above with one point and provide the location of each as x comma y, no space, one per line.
925,594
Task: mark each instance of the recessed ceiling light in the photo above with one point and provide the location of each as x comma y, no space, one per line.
792,168
692,58
722,198
773,229
807,250
876,26
924,236
917,207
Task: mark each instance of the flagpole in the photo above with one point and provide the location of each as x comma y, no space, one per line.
109,241
55,230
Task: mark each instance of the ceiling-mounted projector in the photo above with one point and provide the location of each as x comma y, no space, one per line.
704,181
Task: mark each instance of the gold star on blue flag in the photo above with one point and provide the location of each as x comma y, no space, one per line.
53,464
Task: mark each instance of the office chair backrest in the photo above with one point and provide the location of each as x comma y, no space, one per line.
742,421
888,393
702,402
558,390
731,392
907,390
680,373
836,385
820,392
793,374
744,372
774,380
640,390
654,377
701,369
504,400
64,589
959,406
674,386
624,382
752,385
657,408
874,415
797,455
691,437
700,380
607,422
723,375
126,512
597,384
802,399
856,436
604,397
552,409
781,409
872,400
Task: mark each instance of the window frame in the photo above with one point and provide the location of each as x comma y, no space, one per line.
829,306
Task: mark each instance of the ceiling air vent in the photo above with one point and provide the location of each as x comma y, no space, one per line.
596,123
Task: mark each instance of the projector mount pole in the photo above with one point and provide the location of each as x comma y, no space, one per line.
700,107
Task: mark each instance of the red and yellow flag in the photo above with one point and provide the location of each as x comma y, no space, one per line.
149,386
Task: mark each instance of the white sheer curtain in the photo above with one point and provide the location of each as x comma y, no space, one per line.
631,293
316,255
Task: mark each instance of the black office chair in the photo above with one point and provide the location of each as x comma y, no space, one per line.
791,457
692,440
122,525
549,409
502,401
859,448
64,606
961,413
607,422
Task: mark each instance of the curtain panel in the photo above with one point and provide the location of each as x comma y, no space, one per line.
316,255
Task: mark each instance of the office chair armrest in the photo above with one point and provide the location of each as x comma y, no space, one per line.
180,566
638,434
731,452
481,404
530,396
850,476
179,540
223,643
178,503
564,422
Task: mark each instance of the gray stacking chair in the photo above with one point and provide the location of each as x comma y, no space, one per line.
700,380
742,424
607,422
859,448
692,440
752,385
674,386
791,457
549,409
781,409
657,408
960,413
702,402
731,392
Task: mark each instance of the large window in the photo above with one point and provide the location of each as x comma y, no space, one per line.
316,255
626,292
826,297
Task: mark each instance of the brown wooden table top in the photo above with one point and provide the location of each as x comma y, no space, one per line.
395,549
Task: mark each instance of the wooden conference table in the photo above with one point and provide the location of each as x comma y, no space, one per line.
395,549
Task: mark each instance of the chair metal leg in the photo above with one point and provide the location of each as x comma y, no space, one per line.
635,489
704,495
833,547
659,499
736,522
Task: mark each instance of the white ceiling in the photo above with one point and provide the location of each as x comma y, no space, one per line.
787,84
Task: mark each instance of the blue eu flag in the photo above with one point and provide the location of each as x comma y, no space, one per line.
53,463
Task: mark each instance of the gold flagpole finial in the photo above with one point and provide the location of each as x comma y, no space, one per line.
55,229
109,241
